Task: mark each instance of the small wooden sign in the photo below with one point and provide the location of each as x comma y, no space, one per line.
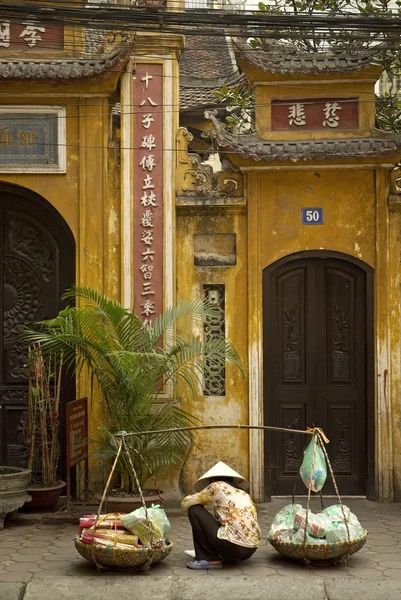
77,431
76,440
314,114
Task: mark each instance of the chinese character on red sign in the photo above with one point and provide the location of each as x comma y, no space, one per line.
148,191
314,114
30,34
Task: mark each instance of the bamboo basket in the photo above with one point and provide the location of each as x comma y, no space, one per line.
334,551
317,552
111,557
124,558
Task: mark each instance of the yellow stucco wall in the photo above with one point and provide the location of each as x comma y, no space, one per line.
228,445
348,201
86,201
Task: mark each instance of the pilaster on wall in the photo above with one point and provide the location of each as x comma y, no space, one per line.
395,343
384,375
255,337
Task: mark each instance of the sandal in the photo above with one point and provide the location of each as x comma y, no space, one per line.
204,564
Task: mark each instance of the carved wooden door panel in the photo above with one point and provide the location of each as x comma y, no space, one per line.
35,271
315,368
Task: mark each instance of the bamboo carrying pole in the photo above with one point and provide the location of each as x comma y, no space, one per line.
199,427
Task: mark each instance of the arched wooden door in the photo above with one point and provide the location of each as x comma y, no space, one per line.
318,363
37,264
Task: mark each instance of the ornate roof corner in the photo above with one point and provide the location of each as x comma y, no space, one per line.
286,61
257,148
197,180
63,69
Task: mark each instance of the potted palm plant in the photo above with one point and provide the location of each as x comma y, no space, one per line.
132,364
42,428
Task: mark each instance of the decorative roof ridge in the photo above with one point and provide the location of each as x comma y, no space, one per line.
62,68
295,62
253,146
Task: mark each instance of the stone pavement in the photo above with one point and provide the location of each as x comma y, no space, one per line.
33,548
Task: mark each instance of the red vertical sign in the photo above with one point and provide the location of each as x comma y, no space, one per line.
148,191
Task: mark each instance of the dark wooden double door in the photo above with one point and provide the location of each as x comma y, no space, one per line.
37,258
317,369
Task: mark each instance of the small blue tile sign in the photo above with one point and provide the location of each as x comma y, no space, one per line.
312,216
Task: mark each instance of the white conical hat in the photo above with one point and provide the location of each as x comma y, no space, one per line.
221,470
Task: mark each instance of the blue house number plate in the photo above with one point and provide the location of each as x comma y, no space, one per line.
312,216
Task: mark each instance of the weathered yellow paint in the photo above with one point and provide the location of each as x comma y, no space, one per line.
227,445
88,196
357,223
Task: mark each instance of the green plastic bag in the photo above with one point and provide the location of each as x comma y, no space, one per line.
313,470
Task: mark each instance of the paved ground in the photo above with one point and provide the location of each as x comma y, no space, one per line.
32,547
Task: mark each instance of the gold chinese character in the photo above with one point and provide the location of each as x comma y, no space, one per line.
330,113
5,34
147,183
149,200
31,34
296,115
148,307
146,78
147,120
148,142
147,237
148,162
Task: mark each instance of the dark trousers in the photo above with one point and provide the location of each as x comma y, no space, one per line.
206,543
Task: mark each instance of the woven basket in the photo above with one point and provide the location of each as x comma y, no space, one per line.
127,558
316,552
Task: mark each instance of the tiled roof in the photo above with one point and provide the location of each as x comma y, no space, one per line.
191,97
206,57
253,146
61,69
281,60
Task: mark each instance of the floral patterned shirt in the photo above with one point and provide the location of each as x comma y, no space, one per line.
233,509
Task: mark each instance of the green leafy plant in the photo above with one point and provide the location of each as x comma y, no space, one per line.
240,104
132,364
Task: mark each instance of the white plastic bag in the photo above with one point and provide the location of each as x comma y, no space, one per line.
317,524
282,526
337,532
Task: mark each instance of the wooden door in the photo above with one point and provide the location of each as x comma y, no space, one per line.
37,259
317,362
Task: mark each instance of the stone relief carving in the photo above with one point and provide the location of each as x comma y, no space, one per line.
198,179
292,355
30,243
22,296
341,460
18,360
291,453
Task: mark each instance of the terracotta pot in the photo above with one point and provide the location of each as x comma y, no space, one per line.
44,498
121,504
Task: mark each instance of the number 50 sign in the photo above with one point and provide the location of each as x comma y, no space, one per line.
312,216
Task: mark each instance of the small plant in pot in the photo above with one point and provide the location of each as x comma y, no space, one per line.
43,428
131,364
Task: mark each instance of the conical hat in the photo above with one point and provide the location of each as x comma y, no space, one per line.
220,470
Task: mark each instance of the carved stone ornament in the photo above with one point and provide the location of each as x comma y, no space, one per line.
197,179
394,198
